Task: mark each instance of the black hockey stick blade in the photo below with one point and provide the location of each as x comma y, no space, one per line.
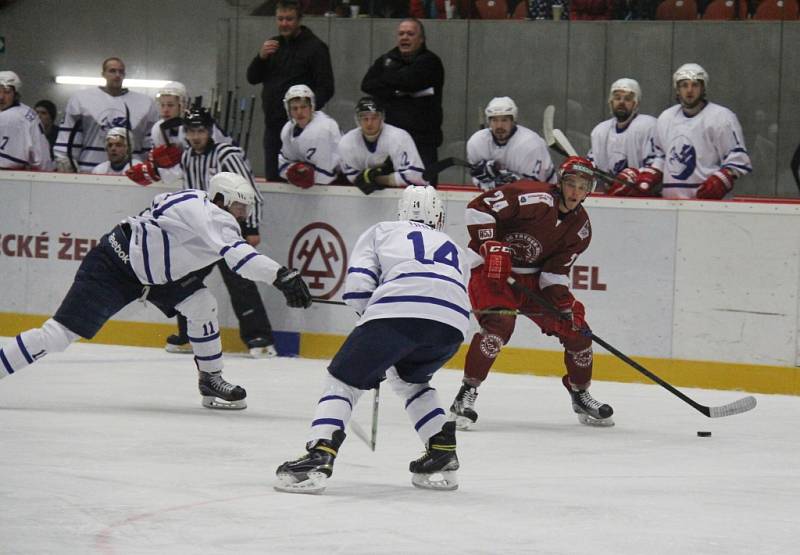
737,407
325,301
795,165
439,166
168,125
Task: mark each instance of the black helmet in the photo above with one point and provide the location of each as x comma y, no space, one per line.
198,117
368,104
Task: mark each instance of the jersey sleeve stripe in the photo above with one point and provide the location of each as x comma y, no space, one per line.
430,275
357,270
6,363
226,248
357,295
244,261
159,211
15,160
24,351
423,299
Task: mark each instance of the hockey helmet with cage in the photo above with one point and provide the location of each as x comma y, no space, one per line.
421,203
198,117
627,85
692,72
10,79
577,165
174,88
233,188
501,106
298,91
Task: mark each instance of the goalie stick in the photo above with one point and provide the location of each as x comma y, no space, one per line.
557,140
736,407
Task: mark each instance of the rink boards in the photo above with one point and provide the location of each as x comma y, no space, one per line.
703,293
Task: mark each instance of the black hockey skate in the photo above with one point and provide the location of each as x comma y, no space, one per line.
436,469
178,344
590,411
260,347
219,394
462,411
310,473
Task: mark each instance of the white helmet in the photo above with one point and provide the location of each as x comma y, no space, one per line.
10,79
501,106
174,88
233,188
298,91
117,132
627,85
421,203
693,72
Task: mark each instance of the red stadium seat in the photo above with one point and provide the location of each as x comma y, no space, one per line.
521,11
492,9
725,9
677,10
776,9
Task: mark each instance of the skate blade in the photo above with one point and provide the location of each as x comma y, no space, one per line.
263,352
440,481
587,420
462,422
211,402
179,349
314,484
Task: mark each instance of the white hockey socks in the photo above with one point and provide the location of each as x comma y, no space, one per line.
423,406
334,408
202,327
31,345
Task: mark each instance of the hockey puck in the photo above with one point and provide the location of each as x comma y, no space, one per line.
703,434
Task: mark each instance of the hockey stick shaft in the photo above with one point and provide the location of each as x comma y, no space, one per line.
742,405
375,405
501,311
440,165
227,110
249,125
795,166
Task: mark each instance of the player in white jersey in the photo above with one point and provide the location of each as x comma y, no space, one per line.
506,151
90,113
407,280
699,145
376,155
155,257
622,144
23,144
309,141
117,151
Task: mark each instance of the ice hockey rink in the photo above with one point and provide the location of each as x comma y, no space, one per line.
106,449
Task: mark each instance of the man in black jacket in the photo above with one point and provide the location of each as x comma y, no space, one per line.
408,81
295,56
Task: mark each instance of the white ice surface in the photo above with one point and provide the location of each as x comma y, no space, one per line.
107,450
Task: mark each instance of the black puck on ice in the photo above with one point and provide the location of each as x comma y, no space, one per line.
703,434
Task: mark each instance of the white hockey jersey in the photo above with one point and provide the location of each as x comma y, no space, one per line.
613,150
23,144
90,113
408,270
316,144
182,232
104,168
689,149
525,154
357,154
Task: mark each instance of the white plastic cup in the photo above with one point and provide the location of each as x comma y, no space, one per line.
449,9
558,9
354,11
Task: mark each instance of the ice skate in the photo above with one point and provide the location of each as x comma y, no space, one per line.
260,347
219,394
178,344
590,411
462,411
436,469
310,473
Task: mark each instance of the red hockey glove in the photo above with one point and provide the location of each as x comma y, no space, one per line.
301,174
571,320
165,156
649,182
629,175
496,260
718,184
144,174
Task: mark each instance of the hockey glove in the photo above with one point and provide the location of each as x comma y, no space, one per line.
718,184
165,156
301,175
496,260
649,182
293,288
629,175
366,179
572,319
144,174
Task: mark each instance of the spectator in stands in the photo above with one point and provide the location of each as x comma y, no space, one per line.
591,9
407,81
47,115
635,9
23,145
118,153
295,56
543,9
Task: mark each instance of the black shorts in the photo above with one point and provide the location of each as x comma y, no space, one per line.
416,347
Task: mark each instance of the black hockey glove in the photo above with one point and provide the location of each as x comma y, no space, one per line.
490,175
366,179
293,288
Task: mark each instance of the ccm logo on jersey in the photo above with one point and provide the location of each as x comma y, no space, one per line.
536,198
484,234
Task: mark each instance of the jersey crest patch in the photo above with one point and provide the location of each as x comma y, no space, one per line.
526,247
585,230
536,198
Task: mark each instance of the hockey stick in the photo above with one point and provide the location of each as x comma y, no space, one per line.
501,311
795,165
369,440
128,133
227,111
242,113
439,166
736,407
557,140
249,125
169,125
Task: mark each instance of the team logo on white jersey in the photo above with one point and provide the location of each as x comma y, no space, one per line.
113,118
536,198
681,158
526,247
320,254
621,163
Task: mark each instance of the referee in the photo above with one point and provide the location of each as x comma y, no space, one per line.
200,162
